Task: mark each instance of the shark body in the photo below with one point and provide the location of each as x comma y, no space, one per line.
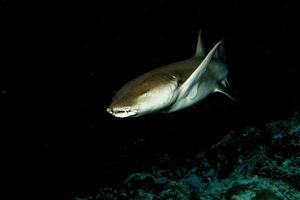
175,86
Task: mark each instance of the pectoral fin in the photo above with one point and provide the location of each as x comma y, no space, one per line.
195,76
220,53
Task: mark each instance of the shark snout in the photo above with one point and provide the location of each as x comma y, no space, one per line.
109,110
121,112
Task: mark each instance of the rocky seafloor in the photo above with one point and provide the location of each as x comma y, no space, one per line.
252,163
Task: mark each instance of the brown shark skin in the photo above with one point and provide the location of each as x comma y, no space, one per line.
175,73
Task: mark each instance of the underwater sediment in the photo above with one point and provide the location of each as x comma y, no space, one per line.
252,163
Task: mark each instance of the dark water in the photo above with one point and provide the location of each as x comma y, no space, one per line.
63,61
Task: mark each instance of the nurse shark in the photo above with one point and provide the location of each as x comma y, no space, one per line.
174,86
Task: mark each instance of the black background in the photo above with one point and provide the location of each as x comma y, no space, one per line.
62,61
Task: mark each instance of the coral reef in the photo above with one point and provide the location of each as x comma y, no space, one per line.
248,164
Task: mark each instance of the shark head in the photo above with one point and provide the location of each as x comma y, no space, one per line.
142,96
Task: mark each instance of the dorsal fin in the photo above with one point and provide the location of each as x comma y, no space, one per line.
200,48
194,77
220,53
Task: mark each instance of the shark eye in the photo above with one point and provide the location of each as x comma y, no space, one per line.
144,94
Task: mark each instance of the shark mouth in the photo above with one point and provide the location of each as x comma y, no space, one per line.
122,112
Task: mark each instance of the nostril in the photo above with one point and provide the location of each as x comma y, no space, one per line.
110,110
